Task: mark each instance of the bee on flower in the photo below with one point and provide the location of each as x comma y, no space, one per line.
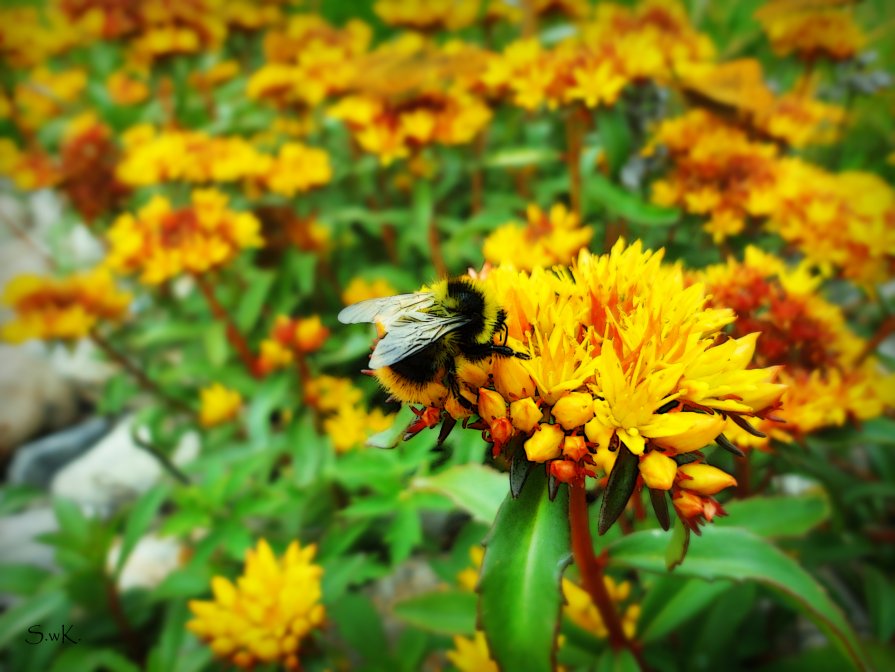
625,373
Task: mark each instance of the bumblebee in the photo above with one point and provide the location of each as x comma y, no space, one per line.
428,332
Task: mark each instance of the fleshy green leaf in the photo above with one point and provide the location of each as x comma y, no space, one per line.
474,488
777,516
731,553
34,611
254,298
683,599
525,554
450,612
139,520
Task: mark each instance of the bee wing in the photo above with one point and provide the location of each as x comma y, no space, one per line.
385,310
410,333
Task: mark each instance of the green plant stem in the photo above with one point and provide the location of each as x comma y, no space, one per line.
113,600
591,570
574,136
234,335
163,460
142,379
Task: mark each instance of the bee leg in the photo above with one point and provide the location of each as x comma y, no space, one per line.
506,351
450,381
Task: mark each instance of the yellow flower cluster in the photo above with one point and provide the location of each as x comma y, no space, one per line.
625,360
795,118
808,337
428,14
309,60
66,309
29,36
360,290
162,242
548,239
45,94
152,157
811,29
166,28
718,171
218,405
127,86
265,617
842,221
291,337
345,420
28,170
622,45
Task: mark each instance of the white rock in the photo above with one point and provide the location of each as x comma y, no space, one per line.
150,562
34,396
116,470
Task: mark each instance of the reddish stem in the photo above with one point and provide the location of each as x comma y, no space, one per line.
234,336
591,571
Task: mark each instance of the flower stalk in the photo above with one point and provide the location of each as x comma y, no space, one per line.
234,335
591,570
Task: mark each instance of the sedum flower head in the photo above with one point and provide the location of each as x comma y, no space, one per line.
624,354
64,308
264,617
808,337
162,242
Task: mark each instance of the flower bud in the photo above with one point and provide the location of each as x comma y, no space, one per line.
565,471
705,479
574,410
658,470
310,334
545,444
605,459
687,504
511,379
501,431
525,415
472,375
573,447
598,433
491,405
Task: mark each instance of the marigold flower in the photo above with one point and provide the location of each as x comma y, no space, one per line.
28,170
161,242
218,405
811,30
265,617
127,88
45,94
66,309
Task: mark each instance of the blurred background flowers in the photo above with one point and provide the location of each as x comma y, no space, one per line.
686,210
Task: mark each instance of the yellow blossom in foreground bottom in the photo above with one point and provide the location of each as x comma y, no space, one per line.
67,308
472,654
274,605
219,405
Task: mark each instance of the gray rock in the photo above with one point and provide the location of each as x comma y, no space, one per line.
37,462
115,470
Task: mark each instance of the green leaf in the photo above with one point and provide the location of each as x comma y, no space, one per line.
392,436
404,533
680,602
791,516
360,626
718,627
89,659
141,516
253,301
21,579
619,487
214,338
165,653
617,661
33,611
879,430
448,612
15,498
519,157
615,136
72,522
474,488
623,203
731,553
676,549
881,602
525,554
